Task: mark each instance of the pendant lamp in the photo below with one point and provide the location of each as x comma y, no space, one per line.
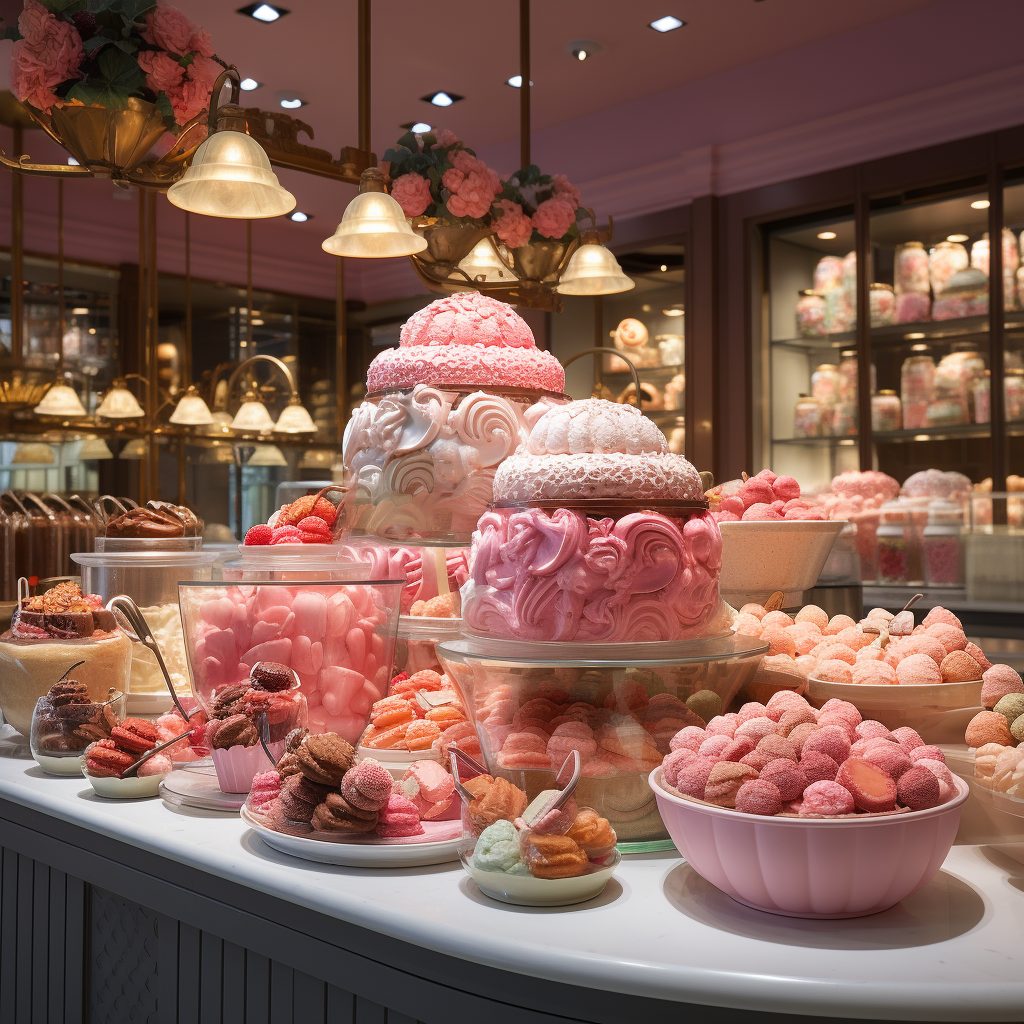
267,455
230,175
134,450
593,270
94,448
191,410
295,419
61,400
373,225
482,266
34,453
119,403
252,416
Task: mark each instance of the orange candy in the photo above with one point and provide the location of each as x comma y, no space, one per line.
445,715
385,739
421,735
391,711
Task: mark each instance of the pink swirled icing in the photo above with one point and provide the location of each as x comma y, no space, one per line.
466,338
538,575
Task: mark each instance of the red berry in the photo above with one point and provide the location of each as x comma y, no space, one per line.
314,524
260,534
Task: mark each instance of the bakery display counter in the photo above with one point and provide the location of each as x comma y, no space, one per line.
112,909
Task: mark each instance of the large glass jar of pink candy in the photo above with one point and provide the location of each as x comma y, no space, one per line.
895,539
917,389
945,260
981,397
810,315
339,637
882,304
825,384
1013,388
911,268
444,409
810,418
941,544
886,412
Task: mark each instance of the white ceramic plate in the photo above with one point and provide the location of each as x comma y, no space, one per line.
527,891
365,853
397,761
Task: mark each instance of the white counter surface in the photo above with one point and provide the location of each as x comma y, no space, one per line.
954,951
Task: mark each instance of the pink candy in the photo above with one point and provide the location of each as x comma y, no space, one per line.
826,798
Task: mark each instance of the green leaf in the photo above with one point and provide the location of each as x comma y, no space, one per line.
65,7
130,11
11,32
119,76
408,141
164,106
187,59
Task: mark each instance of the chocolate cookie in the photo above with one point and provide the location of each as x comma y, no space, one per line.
299,798
294,738
225,699
336,814
325,758
234,731
272,675
288,765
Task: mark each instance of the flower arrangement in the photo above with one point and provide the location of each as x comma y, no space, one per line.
534,207
435,175
101,52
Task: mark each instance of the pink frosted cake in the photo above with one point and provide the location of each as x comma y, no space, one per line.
420,457
578,573
466,338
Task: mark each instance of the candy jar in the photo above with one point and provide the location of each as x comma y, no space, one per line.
810,315
848,377
912,307
981,397
1013,389
67,719
941,544
838,311
809,418
825,384
945,260
979,254
850,279
828,274
965,294
882,303
886,411
895,538
1011,261
911,270
917,388
844,419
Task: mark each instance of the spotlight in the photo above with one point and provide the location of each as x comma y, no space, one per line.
980,204
263,12
516,81
299,217
248,84
826,235
666,24
441,98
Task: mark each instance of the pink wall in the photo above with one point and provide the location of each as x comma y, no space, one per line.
947,71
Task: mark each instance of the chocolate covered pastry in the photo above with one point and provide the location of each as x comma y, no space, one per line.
156,520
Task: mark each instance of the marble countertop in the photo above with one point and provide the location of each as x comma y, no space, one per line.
953,951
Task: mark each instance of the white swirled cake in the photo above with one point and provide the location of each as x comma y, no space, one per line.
446,408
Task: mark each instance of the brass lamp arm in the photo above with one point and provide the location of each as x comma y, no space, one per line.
228,74
24,165
233,379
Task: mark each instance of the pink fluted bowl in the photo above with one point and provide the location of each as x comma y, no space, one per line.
812,867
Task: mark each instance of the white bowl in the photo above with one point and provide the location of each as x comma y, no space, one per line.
126,789
527,891
760,558
397,761
70,764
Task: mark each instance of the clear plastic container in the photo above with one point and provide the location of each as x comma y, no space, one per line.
810,315
895,540
882,304
338,637
941,545
417,638
419,462
295,563
886,411
618,704
917,390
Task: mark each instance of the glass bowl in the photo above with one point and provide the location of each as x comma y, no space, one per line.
419,462
338,637
64,725
618,704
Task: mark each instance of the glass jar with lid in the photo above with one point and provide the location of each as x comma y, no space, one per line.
809,418
1013,388
981,397
895,539
810,314
917,389
882,303
941,544
965,294
839,313
825,384
911,270
886,411
945,260
828,274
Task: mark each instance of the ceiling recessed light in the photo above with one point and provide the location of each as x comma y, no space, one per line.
581,49
664,268
980,204
826,235
292,102
666,24
299,217
248,84
673,312
442,98
420,128
956,238
517,80
80,311
263,12
72,162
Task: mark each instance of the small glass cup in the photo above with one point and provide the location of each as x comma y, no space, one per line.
62,728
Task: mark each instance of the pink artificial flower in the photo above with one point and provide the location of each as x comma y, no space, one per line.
204,71
169,29
163,73
188,99
412,193
445,138
512,226
452,179
202,43
563,187
50,53
472,183
554,217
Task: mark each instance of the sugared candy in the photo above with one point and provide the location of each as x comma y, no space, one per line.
872,788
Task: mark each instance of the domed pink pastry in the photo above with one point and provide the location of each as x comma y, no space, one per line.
833,671
787,776
951,637
890,757
938,614
918,670
723,725
429,787
834,651
799,736
758,796
959,667
812,613
524,750
713,746
796,716
818,767
675,761
997,682
842,707
837,624
872,788
870,729
838,719
568,737
830,740
918,789
158,764
737,748
466,338
908,738
826,799
692,778
779,641
782,701
777,619
776,746
756,610
689,737
367,785
927,750
945,777
873,673
978,655
756,729
752,709
265,787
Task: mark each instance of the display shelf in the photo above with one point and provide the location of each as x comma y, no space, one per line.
829,341
818,442
949,433
646,372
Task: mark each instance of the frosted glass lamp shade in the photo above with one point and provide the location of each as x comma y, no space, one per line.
295,419
252,416
119,404
316,459
231,177
34,453
60,400
135,449
373,226
191,410
94,448
593,270
267,455
483,266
